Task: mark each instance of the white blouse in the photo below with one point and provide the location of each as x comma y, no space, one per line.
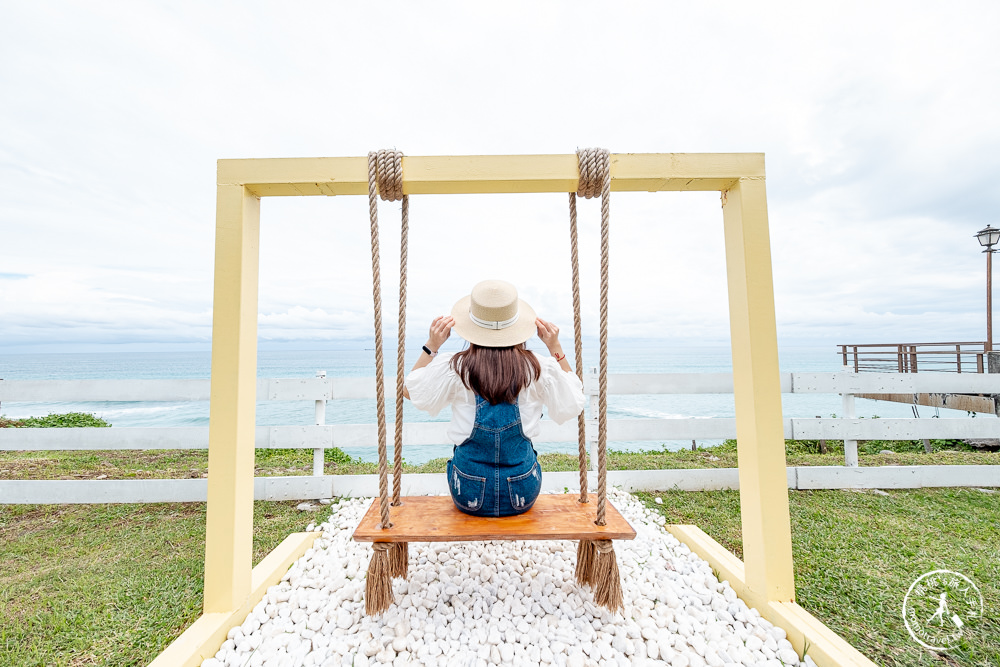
437,385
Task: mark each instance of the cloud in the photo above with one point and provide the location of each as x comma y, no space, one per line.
877,127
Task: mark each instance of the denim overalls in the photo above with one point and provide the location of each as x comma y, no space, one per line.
495,472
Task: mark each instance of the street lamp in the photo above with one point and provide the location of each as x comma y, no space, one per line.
988,237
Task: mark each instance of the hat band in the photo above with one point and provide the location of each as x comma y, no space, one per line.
487,324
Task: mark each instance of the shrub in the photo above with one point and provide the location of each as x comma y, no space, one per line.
67,420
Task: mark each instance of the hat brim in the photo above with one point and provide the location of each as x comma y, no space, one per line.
515,334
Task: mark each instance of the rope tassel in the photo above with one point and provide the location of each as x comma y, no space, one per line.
378,584
606,580
586,551
399,559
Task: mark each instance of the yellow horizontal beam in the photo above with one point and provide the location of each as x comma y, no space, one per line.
469,174
203,639
805,631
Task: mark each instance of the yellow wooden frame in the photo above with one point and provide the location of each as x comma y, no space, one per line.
765,580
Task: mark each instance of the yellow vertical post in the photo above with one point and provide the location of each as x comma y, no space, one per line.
767,536
229,530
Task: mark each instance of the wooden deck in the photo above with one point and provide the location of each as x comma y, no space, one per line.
436,519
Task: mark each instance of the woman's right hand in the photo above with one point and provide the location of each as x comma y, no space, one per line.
440,331
549,334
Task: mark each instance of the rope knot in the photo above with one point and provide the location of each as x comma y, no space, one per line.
595,171
387,166
604,546
381,546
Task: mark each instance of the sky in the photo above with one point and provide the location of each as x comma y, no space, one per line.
877,121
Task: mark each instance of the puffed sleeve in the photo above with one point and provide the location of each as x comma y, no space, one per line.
562,391
434,386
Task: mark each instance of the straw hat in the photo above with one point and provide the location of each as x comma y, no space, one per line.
493,316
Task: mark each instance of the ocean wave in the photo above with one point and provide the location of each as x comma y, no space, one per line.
650,413
139,410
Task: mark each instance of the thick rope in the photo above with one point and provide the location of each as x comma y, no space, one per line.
385,178
388,183
399,554
596,563
595,177
581,419
404,232
602,401
383,482
585,550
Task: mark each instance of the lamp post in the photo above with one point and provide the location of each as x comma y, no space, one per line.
988,237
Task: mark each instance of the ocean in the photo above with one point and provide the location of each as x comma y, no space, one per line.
625,356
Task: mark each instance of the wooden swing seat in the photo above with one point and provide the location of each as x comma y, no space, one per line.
558,516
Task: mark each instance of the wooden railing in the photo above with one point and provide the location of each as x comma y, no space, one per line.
913,357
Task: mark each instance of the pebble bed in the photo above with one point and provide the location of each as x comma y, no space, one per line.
471,604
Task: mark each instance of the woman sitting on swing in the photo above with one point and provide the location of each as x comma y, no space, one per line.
496,388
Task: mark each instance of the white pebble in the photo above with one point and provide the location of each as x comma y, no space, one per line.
788,656
471,603
713,659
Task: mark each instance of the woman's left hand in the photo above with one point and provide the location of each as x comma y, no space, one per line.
440,331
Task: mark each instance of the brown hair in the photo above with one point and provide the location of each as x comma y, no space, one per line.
498,374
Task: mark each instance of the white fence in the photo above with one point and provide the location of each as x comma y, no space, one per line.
319,436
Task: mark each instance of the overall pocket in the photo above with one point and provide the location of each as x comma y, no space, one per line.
467,491
524,488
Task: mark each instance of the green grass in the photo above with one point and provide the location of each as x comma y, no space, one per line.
109,584
114,584
856,555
